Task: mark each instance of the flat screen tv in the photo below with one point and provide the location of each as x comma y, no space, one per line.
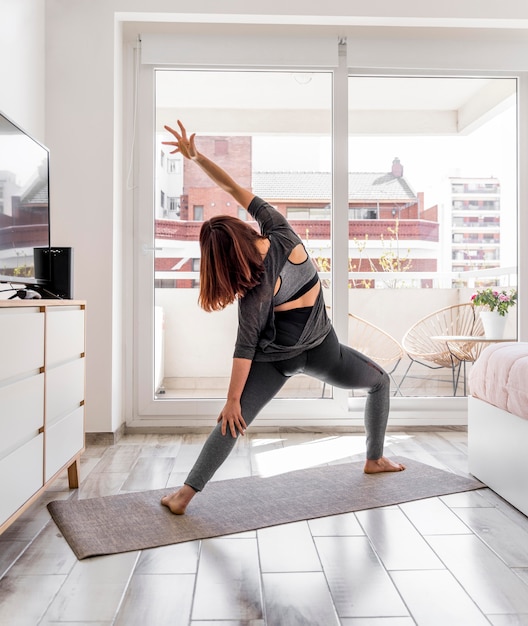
24,207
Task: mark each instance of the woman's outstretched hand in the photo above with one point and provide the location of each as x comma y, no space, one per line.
231,417
183,144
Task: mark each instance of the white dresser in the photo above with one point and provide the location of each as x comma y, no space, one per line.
42,358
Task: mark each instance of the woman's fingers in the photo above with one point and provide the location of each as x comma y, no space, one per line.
183,144
173,132
234,423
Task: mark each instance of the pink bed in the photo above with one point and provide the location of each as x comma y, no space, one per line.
500,377
498,421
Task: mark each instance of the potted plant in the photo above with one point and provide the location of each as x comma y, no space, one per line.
497,303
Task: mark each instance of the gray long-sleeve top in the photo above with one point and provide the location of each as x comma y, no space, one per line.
256,328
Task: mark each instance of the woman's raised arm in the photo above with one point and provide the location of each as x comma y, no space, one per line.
186,147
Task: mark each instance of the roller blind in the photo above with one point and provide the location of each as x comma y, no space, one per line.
239,51
453,53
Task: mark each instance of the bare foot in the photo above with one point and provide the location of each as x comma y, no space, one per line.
382,465
177,502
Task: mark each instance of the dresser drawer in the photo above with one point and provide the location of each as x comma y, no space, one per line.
63,441
22,341
22,473
22,412
64,389
64,335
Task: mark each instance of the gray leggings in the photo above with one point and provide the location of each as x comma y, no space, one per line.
330,362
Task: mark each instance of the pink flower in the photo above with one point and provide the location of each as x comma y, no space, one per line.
473,296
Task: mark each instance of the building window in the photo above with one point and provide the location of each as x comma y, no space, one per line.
173,166
173,204
198,213
308,213
196,268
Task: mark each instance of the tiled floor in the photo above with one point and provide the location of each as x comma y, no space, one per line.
459,560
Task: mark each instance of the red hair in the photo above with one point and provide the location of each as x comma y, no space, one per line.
231,262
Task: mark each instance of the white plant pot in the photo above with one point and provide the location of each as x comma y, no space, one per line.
493,323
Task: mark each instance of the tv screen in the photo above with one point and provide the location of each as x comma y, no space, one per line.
24,206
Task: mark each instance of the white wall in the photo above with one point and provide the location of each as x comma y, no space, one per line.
22,67
84,123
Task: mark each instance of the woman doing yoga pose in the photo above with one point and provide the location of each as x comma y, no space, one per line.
283,328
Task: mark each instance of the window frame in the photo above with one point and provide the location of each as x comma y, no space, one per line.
336,411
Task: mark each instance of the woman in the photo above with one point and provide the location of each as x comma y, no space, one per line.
283,328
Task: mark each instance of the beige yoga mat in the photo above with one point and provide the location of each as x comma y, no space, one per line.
136,521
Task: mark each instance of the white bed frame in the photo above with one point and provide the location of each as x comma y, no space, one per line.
497,449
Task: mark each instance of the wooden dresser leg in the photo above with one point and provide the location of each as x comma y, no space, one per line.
73,474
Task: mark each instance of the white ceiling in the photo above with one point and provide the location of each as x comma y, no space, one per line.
225,102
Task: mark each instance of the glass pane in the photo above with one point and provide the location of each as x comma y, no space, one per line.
271,132
432,218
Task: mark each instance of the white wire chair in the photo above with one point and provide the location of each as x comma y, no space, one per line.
461,320
375,343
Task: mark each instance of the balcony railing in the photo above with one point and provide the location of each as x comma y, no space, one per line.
204,371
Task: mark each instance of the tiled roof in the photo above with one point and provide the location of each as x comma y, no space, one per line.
37,193
318,186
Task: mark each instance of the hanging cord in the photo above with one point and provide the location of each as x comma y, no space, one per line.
129,185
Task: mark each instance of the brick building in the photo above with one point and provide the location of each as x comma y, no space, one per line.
384,213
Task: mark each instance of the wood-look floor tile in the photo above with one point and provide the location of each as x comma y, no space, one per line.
228,581
230,578
32,521
466,499
435,598
148,473
189,451
509,620
408,445
298,599
245,622
377,621
170,449
10,551
99,484
94,589
336,526
432,517
235,467
24,599
396,541
180,558
454,454
508,539
358,582
119,458
522,573
504,507
287,548
47,554
487,579
160,600
300,453
261,453
45,622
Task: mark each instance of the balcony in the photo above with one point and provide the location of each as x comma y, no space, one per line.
205,370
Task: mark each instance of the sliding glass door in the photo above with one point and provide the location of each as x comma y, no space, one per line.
271,131
402,187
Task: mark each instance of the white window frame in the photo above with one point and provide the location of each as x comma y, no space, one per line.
340,410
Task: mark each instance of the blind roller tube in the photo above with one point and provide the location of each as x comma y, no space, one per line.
239,51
